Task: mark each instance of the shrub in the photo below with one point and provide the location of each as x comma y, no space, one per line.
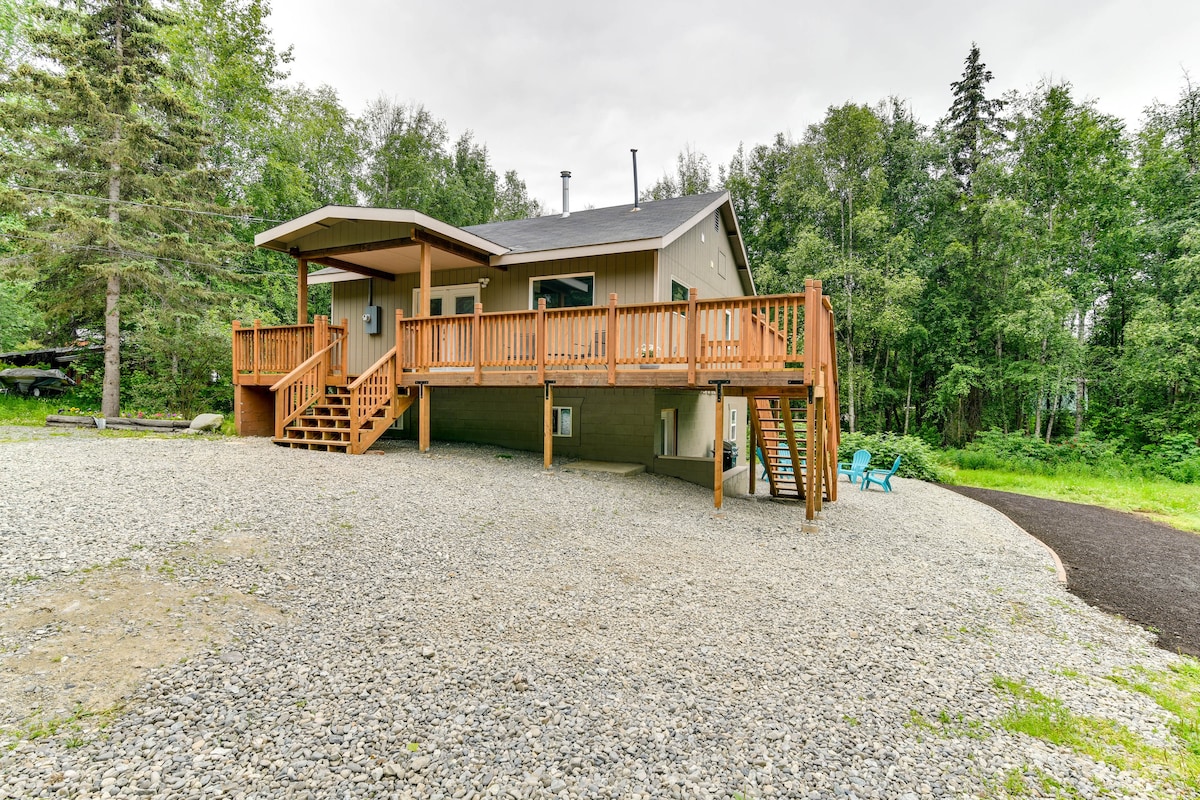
917,459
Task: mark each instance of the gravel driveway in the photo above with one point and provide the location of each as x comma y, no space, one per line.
462,624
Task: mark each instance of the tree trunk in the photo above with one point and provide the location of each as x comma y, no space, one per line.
908,400
110,400
1080,381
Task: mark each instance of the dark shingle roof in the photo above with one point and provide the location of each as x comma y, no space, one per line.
595,226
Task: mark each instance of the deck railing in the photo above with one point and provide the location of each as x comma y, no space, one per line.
265,353
732,334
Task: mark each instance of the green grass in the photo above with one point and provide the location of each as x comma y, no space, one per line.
1178,691
17,410
1104,740
1175,504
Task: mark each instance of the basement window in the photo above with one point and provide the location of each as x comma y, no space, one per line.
560,421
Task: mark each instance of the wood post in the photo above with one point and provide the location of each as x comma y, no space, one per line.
539,339
423,391
257,349
752,421
237,365
320,339
426,279
719,451
811,467
344,367
611,339
548,429
301,291
425,357
820,464
477,343
693,326
399,343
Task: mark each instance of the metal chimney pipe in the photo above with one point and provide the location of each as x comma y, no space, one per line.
566,176
633,150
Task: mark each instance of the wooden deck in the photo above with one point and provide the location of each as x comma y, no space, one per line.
779,346
745,341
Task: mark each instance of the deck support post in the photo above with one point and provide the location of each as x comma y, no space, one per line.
719,447
752,419
548,427
423,391
302,291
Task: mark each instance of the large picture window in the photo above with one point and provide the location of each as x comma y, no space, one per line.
564,291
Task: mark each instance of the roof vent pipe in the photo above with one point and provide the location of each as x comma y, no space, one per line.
633,150
566,176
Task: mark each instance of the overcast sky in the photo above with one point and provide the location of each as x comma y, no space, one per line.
549,86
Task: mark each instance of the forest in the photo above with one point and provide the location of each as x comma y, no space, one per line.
1025,264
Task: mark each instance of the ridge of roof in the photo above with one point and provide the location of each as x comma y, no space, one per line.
654,219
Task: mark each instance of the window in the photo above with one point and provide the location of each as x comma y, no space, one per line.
560,421
678,291
733,425
564,291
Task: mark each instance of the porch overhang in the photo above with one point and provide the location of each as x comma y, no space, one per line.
376,242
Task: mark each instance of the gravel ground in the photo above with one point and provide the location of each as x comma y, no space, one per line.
464,625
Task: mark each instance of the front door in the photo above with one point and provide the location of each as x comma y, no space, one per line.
452,340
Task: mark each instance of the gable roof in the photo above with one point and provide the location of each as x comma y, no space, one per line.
382,239
656,219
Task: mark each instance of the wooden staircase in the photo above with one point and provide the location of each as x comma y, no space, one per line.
327,425
789,430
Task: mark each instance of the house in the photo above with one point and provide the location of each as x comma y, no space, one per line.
629,334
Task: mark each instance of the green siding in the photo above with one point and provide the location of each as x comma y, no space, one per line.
630,275
694,259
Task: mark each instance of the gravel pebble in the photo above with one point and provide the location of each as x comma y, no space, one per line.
461,625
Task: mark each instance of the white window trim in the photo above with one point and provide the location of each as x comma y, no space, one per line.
558,417
592,275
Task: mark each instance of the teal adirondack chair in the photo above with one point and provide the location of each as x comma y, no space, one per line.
858,465
880,477
785,463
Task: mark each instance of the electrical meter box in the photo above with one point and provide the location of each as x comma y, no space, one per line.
371,316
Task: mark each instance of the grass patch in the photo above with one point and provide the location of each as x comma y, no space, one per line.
18,410
1047,718
41,727
1175,504
1176,690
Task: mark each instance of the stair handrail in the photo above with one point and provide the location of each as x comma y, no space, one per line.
372,377
302,387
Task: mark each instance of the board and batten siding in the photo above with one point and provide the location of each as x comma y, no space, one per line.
697,259
630,275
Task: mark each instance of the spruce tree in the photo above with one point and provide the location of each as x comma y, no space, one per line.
101,155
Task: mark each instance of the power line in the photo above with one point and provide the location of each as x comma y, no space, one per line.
134,254
244,217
